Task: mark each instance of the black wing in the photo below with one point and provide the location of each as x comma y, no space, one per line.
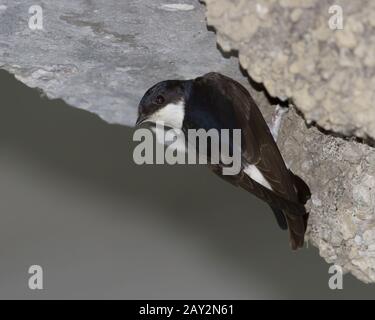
260,149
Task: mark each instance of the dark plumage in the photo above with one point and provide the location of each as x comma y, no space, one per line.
217,101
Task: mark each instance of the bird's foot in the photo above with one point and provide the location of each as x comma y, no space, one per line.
277,117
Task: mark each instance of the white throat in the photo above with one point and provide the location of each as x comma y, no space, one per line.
172,115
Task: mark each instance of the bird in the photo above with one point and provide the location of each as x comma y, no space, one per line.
216,101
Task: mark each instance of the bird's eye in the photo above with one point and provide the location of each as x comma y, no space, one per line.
159,100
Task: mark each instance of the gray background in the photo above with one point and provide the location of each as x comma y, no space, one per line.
73,201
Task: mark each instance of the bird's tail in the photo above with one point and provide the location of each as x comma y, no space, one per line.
302,189
297,228
297,224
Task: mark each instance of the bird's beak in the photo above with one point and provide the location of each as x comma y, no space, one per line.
141,118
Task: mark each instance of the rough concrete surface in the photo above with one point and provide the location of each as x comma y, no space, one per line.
330,77
101,56
289,46
341,175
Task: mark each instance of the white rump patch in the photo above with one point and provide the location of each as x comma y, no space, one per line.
254,173
172,115
176,7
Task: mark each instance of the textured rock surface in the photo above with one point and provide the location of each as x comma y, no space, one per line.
330,76
288,45
101,56
341,175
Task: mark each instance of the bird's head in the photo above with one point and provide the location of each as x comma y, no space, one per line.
164,102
